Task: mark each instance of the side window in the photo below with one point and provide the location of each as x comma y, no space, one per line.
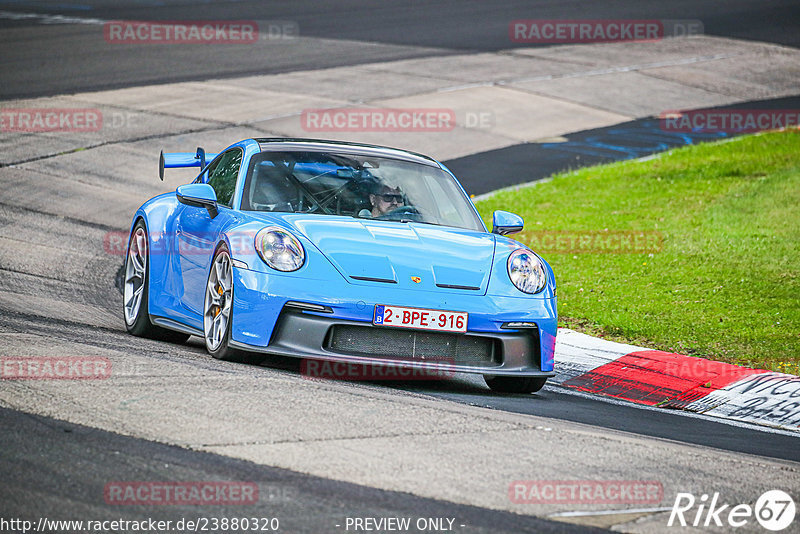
222,176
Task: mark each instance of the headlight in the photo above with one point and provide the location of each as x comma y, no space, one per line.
526,271
280,249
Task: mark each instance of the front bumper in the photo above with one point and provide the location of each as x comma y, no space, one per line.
344,332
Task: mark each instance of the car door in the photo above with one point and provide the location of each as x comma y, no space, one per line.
198,234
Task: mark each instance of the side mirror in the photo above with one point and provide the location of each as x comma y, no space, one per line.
199,196
504,223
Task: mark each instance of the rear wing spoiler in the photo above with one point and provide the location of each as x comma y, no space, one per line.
174,160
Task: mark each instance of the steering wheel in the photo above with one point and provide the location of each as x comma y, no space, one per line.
403,212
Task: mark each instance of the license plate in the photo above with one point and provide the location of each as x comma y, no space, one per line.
439,320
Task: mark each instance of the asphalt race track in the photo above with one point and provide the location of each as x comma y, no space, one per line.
320,451
559,403
45,483
64,59
635,139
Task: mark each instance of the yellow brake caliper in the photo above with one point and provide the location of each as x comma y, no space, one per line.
219,308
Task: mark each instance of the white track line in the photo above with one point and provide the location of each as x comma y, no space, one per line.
584,513
45,18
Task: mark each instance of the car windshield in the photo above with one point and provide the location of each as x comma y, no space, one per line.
356,186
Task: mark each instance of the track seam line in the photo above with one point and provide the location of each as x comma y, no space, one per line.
366,438
67,218
219,126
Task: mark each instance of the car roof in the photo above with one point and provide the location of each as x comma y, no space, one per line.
342,147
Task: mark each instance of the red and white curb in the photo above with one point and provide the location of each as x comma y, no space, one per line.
675,381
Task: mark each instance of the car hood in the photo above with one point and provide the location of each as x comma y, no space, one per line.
410,255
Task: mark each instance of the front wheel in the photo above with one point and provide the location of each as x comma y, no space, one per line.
218,311
513,384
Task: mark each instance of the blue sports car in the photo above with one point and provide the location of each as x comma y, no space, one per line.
341,252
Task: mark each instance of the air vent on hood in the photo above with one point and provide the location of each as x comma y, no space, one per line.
451,286
370,279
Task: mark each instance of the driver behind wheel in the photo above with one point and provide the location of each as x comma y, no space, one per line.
383,200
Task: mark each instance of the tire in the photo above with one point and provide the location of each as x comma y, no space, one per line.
512,384
218,311
135,289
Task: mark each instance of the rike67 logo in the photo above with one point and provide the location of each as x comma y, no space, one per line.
774,510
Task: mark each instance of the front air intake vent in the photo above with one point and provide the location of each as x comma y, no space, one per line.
412,345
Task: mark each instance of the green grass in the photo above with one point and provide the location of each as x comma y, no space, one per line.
723,284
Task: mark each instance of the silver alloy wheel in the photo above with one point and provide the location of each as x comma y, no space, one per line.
219,297
135,270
